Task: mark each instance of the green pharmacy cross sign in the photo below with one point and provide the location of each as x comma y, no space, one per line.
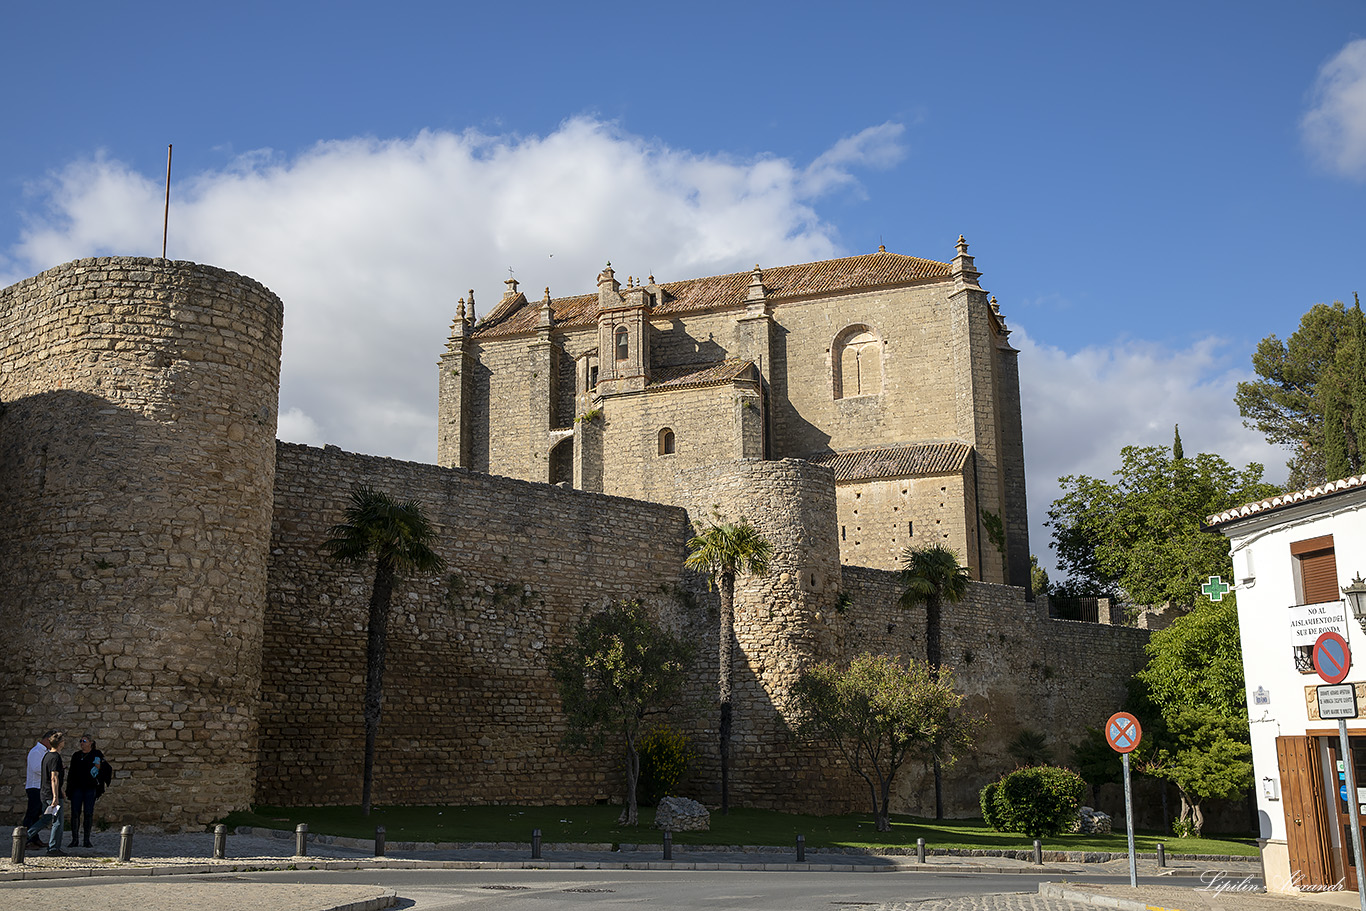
1215,588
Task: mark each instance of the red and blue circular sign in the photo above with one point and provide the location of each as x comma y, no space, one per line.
1332,657
1123,732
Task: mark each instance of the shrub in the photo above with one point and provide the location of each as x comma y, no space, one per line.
1038,801
987,798
665,755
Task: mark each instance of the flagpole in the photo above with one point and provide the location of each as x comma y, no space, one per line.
166,212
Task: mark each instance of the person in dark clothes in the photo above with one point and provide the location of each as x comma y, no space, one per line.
89,773
32,779
53,771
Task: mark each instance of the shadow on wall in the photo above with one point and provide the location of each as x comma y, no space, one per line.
123,610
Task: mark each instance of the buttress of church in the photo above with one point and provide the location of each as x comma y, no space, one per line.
895,372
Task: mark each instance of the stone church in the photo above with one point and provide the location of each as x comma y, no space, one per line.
895,372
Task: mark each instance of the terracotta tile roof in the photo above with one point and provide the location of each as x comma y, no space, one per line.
1285,499
897,461
694,295
712,374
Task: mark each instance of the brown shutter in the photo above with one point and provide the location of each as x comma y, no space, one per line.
1306,816
1319,574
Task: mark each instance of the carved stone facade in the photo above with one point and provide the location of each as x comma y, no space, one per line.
896,370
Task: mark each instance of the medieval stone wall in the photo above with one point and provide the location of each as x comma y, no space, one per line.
1018,668
137,453
470,710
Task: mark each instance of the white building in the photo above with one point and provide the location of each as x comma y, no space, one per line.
1292,556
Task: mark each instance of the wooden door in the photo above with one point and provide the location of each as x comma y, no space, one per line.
1306,816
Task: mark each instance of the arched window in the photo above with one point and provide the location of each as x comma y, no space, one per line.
856,362
666,442
623,344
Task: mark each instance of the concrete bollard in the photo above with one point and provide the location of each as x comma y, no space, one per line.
18,842
301,840
1038,852
920,850
1161,854
126,844
535,844
668,845
220,841
801,849
380,837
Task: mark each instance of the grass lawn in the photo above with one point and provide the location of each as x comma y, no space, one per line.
741,827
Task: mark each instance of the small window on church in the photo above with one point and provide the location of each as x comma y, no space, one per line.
623,344
856,363
666,442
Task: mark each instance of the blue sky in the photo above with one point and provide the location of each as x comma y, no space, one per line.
1149,189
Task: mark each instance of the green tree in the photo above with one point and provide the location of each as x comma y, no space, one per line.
1030,748
1038,577
398,537
617,669
1194,679
1139,537
932,575
724,550
1298,378
880,713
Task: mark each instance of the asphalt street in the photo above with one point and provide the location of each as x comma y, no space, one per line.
523,890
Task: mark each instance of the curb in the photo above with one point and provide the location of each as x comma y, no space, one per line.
386,899
1063,893
1074,857
306,863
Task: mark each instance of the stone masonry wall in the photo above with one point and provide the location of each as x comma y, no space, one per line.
1019,669
470,712
879,519
137,444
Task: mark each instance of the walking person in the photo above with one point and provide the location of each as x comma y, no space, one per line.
51,775
85,782
33,779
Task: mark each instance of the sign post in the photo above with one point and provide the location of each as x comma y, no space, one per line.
1123,732
1332,661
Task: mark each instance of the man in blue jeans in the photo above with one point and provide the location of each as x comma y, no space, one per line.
52,773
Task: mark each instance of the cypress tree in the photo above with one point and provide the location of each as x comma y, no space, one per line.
1177,451
1336,465
1358,388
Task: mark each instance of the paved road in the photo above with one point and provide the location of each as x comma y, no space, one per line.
549,890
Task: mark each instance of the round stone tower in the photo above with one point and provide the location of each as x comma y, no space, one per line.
782,619
137,463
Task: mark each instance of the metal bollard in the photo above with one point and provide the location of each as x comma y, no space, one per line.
1161,854
668,845
920,850
801,849
301,840
535,844
1038,852
379,841
126,844
18,842
220,842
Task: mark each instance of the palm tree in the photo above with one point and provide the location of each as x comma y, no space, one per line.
933,575
399,537
724,549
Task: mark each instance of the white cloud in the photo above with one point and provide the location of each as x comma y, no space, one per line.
1082,408
369,242
1335,127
